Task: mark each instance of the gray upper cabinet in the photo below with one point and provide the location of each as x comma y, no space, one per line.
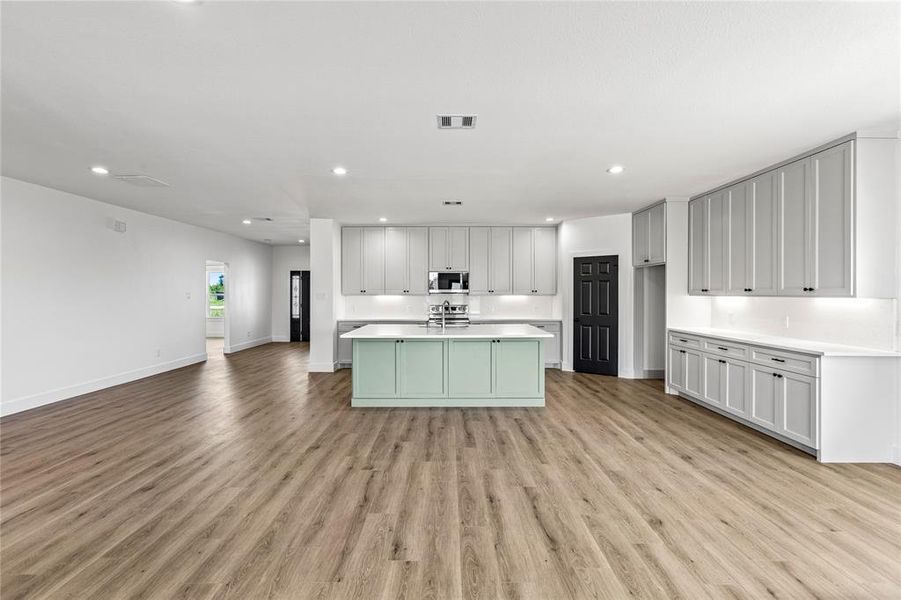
362,260
490,260
352,261
406,263
649,236
762,232
787,232
830,259
534,260
479,245
707,238
448,248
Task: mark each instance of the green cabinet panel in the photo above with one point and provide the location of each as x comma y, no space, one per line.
518,369
375,368
470,365
421,368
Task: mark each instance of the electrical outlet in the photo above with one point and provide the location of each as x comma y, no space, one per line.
248,335
187,295
786,321
157,352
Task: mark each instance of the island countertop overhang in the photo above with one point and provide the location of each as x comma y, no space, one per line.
405,331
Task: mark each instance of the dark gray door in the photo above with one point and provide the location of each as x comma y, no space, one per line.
300,306
595,314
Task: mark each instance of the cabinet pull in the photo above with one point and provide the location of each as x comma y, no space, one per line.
646,260
722,361
778,375
682,351
723,349
683,340
777,359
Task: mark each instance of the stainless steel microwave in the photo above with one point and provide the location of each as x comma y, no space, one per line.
448,282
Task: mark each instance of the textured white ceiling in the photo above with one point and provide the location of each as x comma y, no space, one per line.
245,107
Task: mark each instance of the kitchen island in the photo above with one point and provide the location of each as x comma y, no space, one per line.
476,365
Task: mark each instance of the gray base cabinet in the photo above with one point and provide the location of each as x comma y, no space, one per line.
773,389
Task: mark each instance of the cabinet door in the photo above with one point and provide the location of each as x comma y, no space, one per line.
417,260
375,368
352,261
717,239
657,234
675,374
762,222
421,369
713,378
797,405
500,265
395,260
792,244
470,368
735,387
345,346
479,259
544,253
438,246
693,372
640,245
697,236
458,248
518,369
373,260
522,260
831,234
764,397
738,278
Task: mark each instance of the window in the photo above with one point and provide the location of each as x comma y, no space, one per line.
215,302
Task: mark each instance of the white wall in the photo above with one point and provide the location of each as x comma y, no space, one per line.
73,287
598,236
325,293
284,260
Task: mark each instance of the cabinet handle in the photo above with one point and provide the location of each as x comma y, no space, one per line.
646,260
723,362
682,351
778,375
682,340
723,349
778,359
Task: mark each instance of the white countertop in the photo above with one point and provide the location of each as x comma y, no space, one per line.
786,343
405,331
472,318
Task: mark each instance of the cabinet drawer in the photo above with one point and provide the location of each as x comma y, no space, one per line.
805,364
721,348
682,339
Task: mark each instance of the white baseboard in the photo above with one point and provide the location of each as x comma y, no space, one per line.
281,338
896,455
35,400
567,366
322,367
248,344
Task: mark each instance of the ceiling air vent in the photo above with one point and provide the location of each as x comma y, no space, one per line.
456,121
141,180
452,203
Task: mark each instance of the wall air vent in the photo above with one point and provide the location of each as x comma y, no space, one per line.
452,203
456,121
141,180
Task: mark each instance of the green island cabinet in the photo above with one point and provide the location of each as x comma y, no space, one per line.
448,372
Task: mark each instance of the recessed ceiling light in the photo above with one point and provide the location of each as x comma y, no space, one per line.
615,169
549,219
339,171
383,219
300,241
246,221
98,170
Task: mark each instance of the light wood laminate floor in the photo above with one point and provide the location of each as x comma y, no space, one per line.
247,478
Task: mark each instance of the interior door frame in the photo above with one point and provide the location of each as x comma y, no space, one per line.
568,329
304,306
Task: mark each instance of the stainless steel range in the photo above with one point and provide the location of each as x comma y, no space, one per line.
447,314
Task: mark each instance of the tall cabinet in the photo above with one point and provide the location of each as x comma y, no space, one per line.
649,236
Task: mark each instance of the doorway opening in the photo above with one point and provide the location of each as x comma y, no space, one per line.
650,322
216,308
299,303
596,314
